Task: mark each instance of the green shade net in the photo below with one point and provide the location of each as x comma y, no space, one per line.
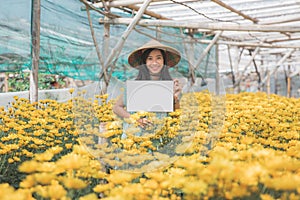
67,49
66,44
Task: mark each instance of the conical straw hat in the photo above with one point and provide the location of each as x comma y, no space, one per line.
172,55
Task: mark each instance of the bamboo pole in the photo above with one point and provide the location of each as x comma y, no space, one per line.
286,20
231,66
147,12
262,72
256,70
268,82
276,83
247,44
2,81
289,82
256,51
218,81
116,51
235,10
237,59
106,43
288,86
295,72
6,83
106,47
208,48
205,25
35,49
106,79
121,3
278,64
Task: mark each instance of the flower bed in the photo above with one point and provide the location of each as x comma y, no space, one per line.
255,156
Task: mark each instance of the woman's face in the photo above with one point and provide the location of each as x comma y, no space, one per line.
155,61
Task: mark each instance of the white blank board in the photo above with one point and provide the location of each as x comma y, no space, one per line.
149,96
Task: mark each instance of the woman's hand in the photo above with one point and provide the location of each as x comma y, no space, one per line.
144,122
177,88
177,92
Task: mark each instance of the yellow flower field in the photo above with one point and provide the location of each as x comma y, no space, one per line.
250,150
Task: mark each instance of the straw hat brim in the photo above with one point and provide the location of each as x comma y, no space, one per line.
172,55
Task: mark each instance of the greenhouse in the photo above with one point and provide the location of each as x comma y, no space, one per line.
233,131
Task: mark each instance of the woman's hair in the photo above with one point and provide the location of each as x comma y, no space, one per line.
144,73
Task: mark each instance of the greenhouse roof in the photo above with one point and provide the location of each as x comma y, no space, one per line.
264,33
268,28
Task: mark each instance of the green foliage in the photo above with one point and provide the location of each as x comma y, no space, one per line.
21,81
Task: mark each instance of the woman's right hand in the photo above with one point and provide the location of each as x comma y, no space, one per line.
144,122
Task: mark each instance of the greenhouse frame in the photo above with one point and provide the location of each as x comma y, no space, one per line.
253,45
232,125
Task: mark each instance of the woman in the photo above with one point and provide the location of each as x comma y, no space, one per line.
153,61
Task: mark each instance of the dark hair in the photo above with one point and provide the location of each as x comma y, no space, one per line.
148,51
144,73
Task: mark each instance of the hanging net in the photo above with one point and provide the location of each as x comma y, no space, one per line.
67,49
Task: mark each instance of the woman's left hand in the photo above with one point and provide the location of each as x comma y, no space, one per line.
177,88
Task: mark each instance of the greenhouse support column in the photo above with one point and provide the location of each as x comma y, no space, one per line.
256,51
288,87
289,82
106,47
106,37
35,49
231,66
235,65
6,83
218,82
276,86
268,82
279,64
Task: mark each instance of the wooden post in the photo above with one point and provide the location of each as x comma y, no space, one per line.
262,73
268,82
6,83
35,49
106,47
256,51
231,66
288,86
276,82
218,82
288,82
278,64
3,83
237,54
95,42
